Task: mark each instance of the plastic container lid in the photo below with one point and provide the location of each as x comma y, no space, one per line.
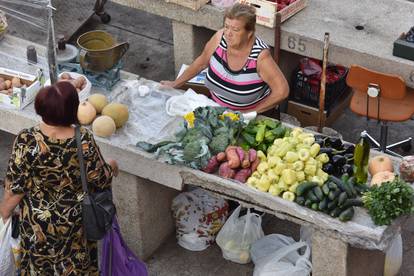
68,55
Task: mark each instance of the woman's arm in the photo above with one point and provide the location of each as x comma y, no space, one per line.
9,201
199,64
271,74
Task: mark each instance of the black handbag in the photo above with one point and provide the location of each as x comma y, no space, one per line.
98,209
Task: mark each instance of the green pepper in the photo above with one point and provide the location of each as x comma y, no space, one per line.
245,146
270,123
248,138
279,131
269,136
261,129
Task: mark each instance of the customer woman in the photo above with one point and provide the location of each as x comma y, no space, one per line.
43,178
242,74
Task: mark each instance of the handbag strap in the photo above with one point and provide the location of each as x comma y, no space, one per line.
81,160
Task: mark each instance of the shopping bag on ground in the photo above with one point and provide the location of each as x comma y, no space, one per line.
117,259
279,255
199,215
238,234
7,266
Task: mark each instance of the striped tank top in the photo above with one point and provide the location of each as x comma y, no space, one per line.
237,90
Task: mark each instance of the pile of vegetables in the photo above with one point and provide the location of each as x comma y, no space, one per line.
337,197
289,161
260,134
209,130
341,155
235,163
389,201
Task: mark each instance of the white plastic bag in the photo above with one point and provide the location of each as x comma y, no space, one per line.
278,255
393,257
238,234
199,215
223,3
7,267
182,104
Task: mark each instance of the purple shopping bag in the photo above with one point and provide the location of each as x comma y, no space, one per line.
117,259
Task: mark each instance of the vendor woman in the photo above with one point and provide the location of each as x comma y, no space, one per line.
242,74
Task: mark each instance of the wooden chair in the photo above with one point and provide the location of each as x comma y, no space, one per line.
384,98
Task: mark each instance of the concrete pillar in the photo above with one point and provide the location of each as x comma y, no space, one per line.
144,212
189,42
329,256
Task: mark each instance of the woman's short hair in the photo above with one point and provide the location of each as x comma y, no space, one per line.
244,12
58,104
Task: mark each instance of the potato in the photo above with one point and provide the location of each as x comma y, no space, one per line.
2,85
83,86
1,79
4,92
78,90
78,83
10,91
15,82
8,83
65,76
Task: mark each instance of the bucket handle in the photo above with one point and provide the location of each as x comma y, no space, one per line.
124,48
83,54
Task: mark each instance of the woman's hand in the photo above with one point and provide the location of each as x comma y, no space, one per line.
114,166
168,83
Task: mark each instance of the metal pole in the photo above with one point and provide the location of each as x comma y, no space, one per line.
51,49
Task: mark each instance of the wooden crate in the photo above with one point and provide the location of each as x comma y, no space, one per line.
192,4
308,115
266,11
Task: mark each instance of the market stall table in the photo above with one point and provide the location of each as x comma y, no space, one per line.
362,32
145,187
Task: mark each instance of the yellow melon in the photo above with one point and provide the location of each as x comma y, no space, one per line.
99,101
382,177
118,112
86,113
103,126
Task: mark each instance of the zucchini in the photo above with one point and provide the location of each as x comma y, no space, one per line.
352,202
351,186
335,212
325,189
332,204
311,195
323,205
315,206
342,197
333,194
300,200
308,203
332,186
318,192
347,214
304,187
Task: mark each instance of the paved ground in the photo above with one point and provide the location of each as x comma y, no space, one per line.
151,56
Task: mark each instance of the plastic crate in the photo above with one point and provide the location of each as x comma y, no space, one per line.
305,89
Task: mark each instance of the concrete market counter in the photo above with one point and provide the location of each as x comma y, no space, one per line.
382,22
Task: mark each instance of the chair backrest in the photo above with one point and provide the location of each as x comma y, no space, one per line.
391,86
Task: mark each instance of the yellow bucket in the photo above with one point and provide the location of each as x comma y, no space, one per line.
100,51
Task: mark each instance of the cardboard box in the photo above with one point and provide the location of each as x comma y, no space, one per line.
309,116
196,83
192,4
403,48
22,96
266,11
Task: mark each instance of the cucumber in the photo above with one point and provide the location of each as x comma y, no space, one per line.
347,214
315,206
311,195
342,197
332,204
323,205
318,192
361,188
333,194
325,189
344,186
304,187
308,203
335,212
300,200
352,202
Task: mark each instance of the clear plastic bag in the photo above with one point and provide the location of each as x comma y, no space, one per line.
393,257
199,215
278,255
9,250
223,3
238,234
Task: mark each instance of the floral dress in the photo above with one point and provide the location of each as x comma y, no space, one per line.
47,171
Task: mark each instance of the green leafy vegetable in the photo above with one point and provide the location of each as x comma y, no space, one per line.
389,201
